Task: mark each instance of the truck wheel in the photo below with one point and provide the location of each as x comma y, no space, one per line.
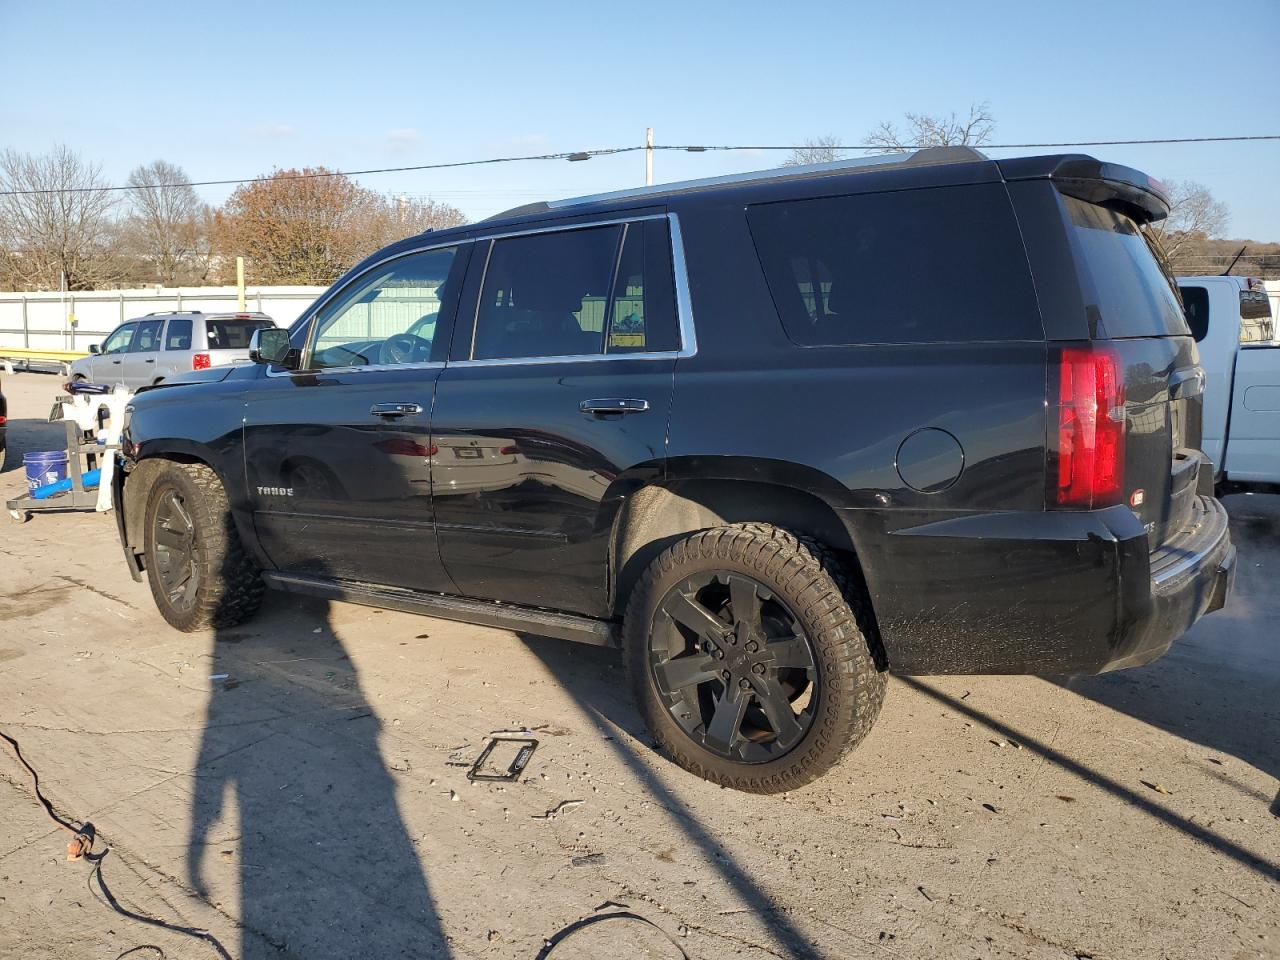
198,570
749,657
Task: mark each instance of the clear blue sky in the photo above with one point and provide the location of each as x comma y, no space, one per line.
234,89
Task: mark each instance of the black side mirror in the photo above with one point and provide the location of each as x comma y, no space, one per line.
95,348
271,345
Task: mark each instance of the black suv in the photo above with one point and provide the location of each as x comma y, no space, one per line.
775,435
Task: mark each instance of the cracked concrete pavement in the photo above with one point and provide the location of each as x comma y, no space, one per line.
296,788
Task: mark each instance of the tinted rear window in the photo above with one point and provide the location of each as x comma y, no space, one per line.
1126,292
1196,302
232,334
934,265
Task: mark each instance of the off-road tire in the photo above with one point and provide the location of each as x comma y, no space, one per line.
811,581
230,586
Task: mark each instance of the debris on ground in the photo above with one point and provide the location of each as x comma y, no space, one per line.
1157,787
558,809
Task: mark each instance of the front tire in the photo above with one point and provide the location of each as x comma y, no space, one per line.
748,660
197,568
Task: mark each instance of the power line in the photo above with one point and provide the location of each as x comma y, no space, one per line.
610,151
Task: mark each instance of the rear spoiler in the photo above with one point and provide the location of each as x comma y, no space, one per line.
1087,178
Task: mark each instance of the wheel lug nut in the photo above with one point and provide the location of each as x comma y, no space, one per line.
719,654
725,676
758,669
752,646
744,684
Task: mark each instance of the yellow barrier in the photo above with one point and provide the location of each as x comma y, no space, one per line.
32,353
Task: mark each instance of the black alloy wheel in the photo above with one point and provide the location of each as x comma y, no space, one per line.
733,666
173,533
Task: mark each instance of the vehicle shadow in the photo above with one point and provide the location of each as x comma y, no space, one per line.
584,673
1086,773
1219,686
321,863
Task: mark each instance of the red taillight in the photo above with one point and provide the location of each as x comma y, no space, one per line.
200,361
1091,426
508,451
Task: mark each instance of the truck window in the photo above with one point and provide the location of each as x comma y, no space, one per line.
1195,300
1126,292
940,264
1256,325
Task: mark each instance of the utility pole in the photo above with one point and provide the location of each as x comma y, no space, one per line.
648,156
240,283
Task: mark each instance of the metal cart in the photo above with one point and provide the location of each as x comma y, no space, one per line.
80,444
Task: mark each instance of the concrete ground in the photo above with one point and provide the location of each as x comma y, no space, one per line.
296,788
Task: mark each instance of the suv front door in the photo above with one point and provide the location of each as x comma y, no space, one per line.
338,454
140,362
553,407
108,366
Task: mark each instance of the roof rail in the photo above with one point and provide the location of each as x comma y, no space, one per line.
166,313
927,156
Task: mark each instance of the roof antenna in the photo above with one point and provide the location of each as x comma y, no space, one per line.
1227,272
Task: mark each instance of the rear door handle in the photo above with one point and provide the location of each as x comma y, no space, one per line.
395,409
613,406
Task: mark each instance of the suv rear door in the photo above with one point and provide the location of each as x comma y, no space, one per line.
552,407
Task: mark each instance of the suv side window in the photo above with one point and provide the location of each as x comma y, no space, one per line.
147,339
1195,303
933,265
178,336
546,295
642,315
120,339
388,315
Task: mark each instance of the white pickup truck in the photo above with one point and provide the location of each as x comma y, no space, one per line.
1232,322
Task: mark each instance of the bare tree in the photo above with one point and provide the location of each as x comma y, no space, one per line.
408,216
1194,216
925,131
824,149
165,224
55,221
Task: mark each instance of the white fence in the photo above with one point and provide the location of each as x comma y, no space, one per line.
72,321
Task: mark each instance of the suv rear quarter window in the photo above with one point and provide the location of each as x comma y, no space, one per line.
940,264
178,334
1127,292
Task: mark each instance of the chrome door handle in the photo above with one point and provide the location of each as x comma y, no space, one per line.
613,406
395,409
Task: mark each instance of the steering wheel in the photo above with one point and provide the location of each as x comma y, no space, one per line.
404,348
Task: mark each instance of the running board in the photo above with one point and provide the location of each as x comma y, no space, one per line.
485,613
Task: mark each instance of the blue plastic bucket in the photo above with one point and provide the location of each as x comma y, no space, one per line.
45,466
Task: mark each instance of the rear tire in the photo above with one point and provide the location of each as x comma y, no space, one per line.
748,654
197,568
